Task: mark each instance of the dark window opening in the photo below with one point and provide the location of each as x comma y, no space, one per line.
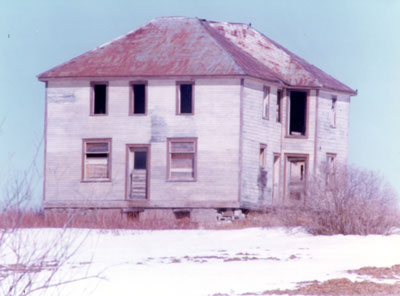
298,113
97,155
186,103
100,101
140,162
278,105
139,99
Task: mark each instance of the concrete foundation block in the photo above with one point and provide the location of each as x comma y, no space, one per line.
203,216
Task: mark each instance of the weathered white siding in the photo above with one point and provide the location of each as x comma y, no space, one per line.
333,139
215,124
222,173
255,131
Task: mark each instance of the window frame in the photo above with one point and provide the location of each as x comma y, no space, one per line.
132,97
109,160
307,113
279,99
178,97
92,99
263,150
333,111
169,153
266,102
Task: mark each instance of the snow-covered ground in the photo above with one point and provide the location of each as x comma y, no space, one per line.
207,262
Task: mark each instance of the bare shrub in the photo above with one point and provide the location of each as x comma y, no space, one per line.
349,200
32,260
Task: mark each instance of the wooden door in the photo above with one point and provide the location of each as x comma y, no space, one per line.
138,173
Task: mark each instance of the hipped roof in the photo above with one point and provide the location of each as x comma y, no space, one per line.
180,46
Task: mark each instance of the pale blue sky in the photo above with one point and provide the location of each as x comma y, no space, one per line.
357,42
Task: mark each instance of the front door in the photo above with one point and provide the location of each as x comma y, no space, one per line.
138,173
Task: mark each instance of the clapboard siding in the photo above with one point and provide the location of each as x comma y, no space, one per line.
256,131
215,125
333,139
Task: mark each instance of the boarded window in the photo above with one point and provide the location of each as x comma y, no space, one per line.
266,103
139,99
96,160
278,105
182,159
185,99
99,99
298,113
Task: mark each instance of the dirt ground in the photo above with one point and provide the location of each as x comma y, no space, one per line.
344,286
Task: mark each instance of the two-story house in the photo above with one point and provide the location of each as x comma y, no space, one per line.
189,114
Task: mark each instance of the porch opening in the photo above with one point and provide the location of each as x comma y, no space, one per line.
297,177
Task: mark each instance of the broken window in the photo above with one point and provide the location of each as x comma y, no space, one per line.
330,158
266,103
298,113
185,98
99,100
263,156
138,98
333,112
96,159
182,159
297,177
278,105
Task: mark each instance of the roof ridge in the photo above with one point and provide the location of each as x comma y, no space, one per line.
208,28
218,43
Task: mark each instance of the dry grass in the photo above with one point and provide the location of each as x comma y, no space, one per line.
340,286
379,272
114,219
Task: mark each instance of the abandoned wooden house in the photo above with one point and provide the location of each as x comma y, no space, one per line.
189,115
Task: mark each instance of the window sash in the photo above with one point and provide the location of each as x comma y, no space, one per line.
182,160
96,160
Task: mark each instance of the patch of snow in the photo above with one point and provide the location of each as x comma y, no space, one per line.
206,262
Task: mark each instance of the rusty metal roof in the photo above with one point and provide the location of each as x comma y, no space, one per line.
180,46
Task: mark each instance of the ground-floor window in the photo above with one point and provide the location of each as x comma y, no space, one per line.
182,159
96,160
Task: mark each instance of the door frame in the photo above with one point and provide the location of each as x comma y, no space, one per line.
286,190
276,191
130,147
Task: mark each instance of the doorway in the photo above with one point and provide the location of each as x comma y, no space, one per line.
138,164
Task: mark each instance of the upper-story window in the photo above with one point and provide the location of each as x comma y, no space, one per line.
333,111
297,113
99,100
138,100
185,98
278,105
265,114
